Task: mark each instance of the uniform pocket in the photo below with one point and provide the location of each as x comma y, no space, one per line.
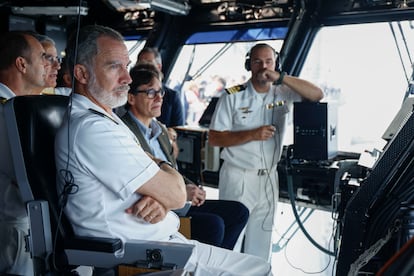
231,183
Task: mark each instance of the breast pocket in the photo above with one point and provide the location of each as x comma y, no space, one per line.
280,114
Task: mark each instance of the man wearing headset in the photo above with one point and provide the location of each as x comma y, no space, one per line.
249,123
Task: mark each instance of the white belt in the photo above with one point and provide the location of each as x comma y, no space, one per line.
262,172
259,172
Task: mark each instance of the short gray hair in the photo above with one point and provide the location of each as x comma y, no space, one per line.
87,48
44,39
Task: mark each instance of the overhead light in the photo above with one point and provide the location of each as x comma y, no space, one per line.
403,4
51,10
208,1
128,5
171,7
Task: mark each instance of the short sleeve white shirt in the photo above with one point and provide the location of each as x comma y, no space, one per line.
248,109
108,166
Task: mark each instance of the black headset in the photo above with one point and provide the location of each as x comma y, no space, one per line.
262,45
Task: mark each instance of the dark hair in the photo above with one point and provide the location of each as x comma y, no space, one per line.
12,45
142,73
153,51
64,69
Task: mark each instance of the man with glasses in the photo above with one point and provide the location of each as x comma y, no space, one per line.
53,64
215,222
22,71
172,113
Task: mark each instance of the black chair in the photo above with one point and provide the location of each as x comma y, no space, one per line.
32,122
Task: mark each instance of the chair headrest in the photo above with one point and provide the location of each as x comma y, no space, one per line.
38,118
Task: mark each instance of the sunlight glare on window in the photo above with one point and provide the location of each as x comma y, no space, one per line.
360,71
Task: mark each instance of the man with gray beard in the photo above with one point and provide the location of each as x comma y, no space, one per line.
122,192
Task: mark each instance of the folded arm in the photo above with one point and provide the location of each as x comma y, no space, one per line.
162,193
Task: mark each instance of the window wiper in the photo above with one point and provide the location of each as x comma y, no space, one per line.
398,47
211,61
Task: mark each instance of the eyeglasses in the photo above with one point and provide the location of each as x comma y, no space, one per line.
151,93
52,60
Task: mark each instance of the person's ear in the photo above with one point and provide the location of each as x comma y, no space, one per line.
131,98
81,74
21,64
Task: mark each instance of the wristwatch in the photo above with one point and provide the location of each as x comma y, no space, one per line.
165,162
279,81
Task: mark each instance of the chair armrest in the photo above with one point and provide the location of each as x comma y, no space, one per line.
108,245
136,252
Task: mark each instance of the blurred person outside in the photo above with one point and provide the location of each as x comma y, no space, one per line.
196,105
215,88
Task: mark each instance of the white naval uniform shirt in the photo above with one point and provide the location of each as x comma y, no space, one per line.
246,110
108,166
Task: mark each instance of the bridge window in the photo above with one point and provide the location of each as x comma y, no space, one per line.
212,61
364,69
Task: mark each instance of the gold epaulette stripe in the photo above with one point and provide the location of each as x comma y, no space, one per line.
235,89
3,100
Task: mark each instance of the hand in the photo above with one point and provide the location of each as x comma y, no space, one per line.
172,134
148,209
267,75
195,194
264,132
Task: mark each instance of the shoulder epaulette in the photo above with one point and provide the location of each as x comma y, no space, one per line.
236,89
3,100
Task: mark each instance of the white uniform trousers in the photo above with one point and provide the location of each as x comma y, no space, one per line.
258,190
208,260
